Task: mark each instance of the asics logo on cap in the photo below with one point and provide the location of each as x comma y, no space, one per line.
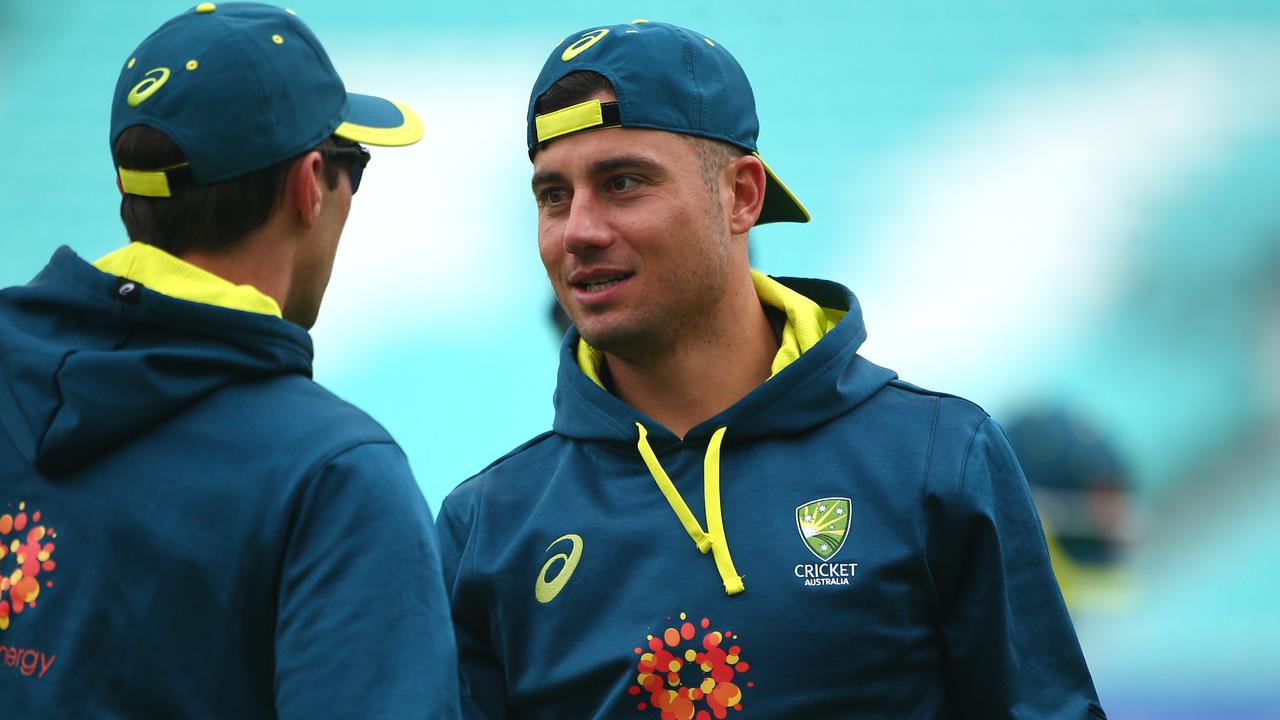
582,43
148,86
547,590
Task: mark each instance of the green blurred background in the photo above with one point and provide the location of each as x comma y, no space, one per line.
1047,207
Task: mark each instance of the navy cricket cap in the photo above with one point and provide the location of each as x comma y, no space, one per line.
239,87
665,77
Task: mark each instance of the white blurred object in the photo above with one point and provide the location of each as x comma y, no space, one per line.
429,243
1010,226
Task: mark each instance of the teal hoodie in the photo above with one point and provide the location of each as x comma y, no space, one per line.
848,545
192,528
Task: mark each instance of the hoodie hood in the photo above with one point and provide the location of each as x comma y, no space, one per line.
89,361
826,381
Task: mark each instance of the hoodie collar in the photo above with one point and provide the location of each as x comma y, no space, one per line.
170,275
817,376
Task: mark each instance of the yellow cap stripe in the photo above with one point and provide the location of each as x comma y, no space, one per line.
569,120
408,133
148,183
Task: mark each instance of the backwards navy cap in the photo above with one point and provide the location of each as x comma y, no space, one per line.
239,87
665,77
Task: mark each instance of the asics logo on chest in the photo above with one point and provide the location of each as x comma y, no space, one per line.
545,588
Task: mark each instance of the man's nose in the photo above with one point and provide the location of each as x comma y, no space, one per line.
587,227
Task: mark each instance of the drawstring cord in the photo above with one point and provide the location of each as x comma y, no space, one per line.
715,522
713,540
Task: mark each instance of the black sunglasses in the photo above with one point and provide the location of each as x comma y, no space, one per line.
356,157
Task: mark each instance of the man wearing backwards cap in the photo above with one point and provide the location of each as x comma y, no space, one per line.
192,527
734,510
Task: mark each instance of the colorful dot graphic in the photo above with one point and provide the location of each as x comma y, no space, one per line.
690,673
24,555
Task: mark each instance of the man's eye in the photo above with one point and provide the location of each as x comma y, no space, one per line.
552,196
622,183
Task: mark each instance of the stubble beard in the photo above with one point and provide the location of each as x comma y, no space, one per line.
680,321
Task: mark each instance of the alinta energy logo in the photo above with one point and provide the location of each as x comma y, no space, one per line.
25,546
824,527
690,673
26,553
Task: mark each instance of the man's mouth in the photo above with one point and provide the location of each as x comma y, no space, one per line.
596,284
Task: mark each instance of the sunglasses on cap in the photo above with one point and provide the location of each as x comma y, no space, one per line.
356,157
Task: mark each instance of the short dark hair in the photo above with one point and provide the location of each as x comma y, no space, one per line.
570,90
580,85
199,217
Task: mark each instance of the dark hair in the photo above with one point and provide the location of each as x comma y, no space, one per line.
199,217
571,89
580,85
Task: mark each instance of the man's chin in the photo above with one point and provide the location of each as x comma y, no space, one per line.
598,337
624,342
303,315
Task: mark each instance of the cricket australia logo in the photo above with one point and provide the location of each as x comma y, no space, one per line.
824,526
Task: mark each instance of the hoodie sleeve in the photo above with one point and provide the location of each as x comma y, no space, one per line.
1011,647
363,621
482,680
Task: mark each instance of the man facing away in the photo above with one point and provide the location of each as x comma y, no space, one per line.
191,527
734,510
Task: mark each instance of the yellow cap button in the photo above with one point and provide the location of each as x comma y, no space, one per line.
290,11
205,8
132,62
277,39
192,64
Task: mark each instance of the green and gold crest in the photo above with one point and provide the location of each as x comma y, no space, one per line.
824,525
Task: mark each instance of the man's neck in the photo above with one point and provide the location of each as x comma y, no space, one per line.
262,259
703,373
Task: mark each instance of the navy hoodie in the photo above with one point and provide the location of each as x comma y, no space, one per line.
193,528
880,557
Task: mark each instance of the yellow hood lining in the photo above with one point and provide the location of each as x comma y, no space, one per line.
169,275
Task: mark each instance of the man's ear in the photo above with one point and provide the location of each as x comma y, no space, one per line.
302,187
747,175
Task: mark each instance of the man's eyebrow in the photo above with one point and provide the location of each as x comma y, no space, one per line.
603,166
624,162
546,177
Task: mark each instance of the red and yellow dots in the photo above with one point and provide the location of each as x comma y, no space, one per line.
690,678
22,539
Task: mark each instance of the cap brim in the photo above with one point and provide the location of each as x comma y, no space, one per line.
375,121
780,205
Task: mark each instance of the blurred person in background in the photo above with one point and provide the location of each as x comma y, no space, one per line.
191,527
865,547
1084,494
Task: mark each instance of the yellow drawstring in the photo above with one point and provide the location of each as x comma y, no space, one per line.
672,495
715,540
715,523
